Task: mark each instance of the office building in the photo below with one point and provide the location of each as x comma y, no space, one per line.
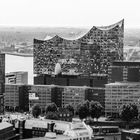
2,81
43,92
95,94
63,95
16,97
118,94
87,54
60,95
11,97
19,77
124,72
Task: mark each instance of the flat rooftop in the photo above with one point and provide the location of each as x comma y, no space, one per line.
4,125
123,84
58,137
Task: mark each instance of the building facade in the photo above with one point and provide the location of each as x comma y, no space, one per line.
11,97
124,72
88,54
19,77
118,94
17,96
96,94
2,81
96,80
43,92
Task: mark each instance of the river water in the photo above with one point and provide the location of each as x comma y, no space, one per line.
19,63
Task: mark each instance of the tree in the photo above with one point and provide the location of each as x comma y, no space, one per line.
128,112
51,108
69,108
36,110
135,111
83,110
52,115
95,109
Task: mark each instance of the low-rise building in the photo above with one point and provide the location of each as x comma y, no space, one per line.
7,132
60,129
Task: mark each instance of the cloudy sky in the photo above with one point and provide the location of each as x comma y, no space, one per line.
72,13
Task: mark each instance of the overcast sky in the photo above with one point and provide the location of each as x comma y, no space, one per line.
72,13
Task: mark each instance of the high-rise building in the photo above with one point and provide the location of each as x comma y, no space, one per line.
19,77
87,54
2,81
124,72
118,94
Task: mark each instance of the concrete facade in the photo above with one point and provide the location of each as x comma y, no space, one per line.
118,94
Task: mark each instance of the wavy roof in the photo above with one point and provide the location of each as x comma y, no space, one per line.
76,37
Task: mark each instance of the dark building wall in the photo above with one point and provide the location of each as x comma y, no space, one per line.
115,74
124,71
126,63
57,81
128,135
98,81
96,94
48,80
133,74
2,82
24,97
56,96
79,82
39,80
2,73
92,53
63,80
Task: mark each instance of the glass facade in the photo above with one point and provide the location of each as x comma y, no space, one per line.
92,53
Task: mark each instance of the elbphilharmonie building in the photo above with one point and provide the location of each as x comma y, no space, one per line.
89,54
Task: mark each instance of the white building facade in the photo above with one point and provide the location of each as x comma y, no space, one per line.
118,94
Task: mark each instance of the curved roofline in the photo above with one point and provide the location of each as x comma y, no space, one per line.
102,28
110,26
